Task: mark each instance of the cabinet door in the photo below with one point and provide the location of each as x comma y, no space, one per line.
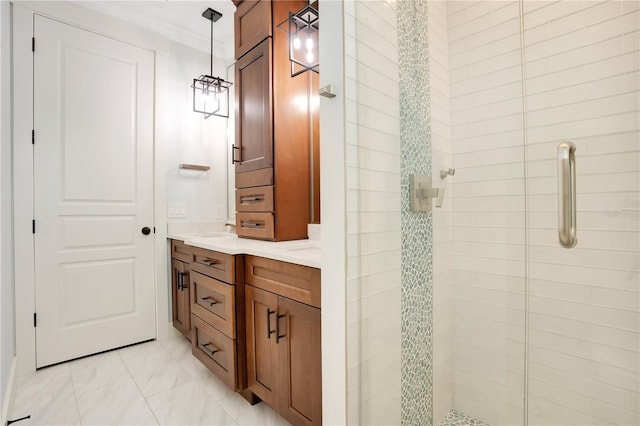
254,134
252,24
262,349
299,355
180,297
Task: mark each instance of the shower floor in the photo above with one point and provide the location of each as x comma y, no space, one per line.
456,418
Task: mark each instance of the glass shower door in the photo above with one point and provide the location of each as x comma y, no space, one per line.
582,64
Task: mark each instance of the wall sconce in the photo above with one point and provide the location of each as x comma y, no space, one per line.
211,94
303,31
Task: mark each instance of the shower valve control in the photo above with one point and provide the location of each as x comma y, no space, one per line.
421,192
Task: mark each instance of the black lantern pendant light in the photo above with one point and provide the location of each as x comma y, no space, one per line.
211,94
304,29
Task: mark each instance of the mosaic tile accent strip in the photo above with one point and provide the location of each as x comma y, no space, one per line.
457,418
417,244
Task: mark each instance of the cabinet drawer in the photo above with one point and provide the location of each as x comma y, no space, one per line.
214,264
180,251
297,282
255,225
214,350
257,199
214,302
260,177
252,24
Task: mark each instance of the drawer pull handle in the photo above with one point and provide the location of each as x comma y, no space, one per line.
209,351
180,282
252,224
278,335
233,154
269,331
210,300
247,199
208,262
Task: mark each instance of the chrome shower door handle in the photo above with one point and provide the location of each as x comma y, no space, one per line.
567,195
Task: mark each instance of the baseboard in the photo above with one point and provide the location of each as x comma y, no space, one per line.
9,395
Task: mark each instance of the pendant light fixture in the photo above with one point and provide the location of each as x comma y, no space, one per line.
211,94
303,31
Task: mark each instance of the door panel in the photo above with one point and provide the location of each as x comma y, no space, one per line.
88,292
93,190
262,350
87,135
584,302
180,290
100,231
300,365
254,131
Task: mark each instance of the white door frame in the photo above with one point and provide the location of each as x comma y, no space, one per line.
23,159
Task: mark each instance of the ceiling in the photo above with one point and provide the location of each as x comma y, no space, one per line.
179,20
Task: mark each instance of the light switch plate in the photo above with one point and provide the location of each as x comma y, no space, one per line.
176,210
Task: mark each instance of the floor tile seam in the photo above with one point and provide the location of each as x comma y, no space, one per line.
138,387
171,353
146,402
172,390
75,395
19,396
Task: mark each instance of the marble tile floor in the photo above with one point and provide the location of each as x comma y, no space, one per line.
152,383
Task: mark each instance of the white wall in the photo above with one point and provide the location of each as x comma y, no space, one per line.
192,139
333,190
373,212
7,328
441,159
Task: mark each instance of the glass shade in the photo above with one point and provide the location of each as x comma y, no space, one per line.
303,40
211,96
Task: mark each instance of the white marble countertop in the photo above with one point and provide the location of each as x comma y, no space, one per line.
301,252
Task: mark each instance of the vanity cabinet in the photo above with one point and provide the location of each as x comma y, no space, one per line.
275,121
283,338
180,276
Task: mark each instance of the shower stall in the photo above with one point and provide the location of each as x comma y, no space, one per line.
517,302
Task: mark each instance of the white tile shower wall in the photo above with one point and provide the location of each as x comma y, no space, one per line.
373,209
441,159
582,63
488,219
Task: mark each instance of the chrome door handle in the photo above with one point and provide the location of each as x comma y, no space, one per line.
567,195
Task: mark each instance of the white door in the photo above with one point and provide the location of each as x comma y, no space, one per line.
93,162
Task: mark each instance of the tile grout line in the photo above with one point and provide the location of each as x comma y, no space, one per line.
75,394
138,387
